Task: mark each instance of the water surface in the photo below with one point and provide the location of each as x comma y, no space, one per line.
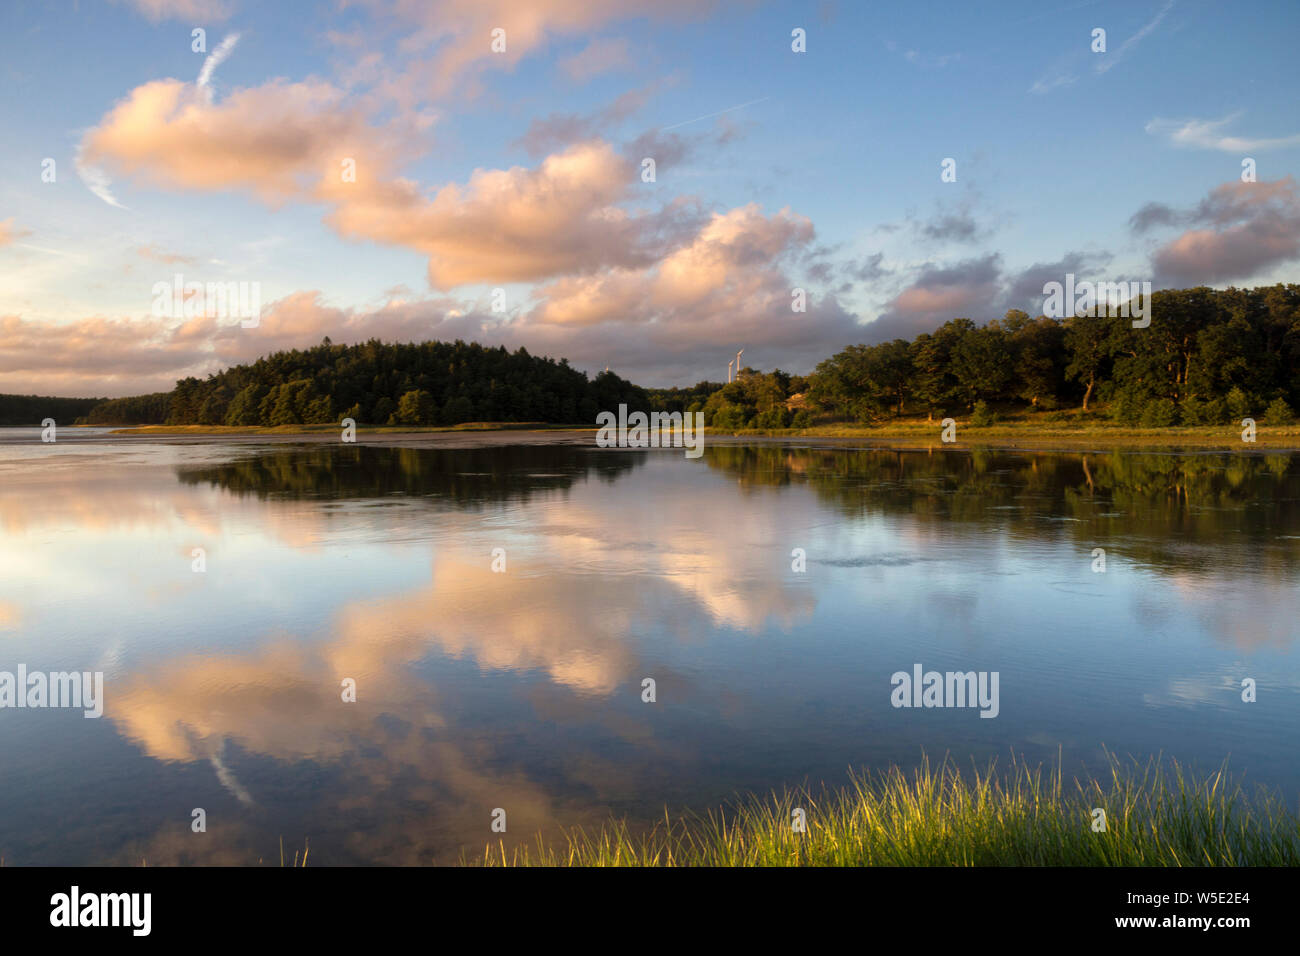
522,689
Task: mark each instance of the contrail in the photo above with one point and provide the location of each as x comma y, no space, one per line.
718,113
96,179
1135,39
214,60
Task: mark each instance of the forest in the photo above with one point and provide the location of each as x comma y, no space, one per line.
430,383
1208,357
19,410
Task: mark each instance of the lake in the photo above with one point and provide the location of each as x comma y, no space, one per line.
498,603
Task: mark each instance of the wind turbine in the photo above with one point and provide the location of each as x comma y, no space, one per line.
729,364
738,355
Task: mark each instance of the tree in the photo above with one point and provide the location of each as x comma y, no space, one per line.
414,408
982,364
1088,343
244,408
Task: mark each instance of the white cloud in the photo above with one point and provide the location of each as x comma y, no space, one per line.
1204,134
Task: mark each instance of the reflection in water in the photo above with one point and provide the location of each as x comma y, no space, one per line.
521,689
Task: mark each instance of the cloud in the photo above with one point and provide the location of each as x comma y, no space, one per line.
966,289
959,226
667,320
9,232
278,140
93,356
1152,215
558,130
1025,289
517,224
214,60
1048,83
459,32
192,11
1203,134
599,56
976,288
286,142
870,269
1238,231
729,285
156,255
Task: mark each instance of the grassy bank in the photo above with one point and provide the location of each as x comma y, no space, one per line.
1040,434
1156,815
1083,435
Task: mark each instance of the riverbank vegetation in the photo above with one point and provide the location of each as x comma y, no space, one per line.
1154,814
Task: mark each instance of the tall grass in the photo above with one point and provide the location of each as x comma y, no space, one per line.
1156,815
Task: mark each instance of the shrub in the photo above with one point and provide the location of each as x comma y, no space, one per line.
1124,410
774,417
728,417
1159,413
1194,411
801,419
1279,413
1238,404
983,416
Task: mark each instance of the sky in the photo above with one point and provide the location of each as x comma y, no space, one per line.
476,169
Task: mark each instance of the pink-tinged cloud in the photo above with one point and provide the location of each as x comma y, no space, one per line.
973,288
149,251
198,12
9,232
1245,230
460,32
305,142
94,356
510,225
729,269
277,140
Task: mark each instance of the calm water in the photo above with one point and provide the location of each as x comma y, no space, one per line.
522,689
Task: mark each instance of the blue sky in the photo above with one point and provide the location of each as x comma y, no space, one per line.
520,171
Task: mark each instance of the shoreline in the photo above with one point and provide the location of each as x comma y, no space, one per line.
1134,814
904,436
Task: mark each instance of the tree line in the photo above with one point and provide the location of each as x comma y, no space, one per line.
429,383
19,410
1208,357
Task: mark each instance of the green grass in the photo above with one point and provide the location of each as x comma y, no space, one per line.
1043,434
1156,814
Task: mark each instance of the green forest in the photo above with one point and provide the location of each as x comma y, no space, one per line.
1209,357
431,383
